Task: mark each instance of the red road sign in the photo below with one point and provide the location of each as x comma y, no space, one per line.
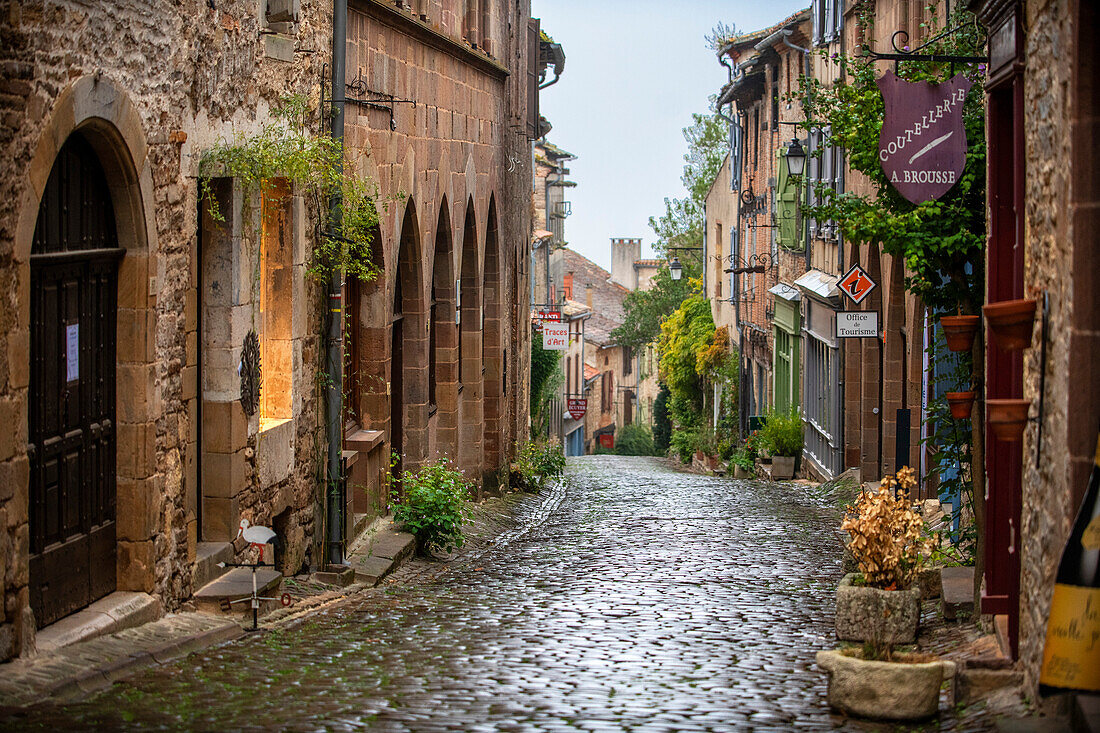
857,284
577,407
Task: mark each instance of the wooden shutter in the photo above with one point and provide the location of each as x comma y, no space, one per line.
533,78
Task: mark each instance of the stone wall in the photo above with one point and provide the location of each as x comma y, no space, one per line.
1061,259
92,69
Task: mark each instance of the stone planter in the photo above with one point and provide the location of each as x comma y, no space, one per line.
782,467
739,472
870,614
884,690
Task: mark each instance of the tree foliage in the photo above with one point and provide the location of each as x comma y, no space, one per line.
644,310
939,241
681,225
686,334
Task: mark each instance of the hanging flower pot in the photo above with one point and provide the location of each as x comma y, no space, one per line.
961,404
959,331
1007,418
1010,323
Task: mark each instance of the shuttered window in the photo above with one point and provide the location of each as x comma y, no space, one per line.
736,134
533,78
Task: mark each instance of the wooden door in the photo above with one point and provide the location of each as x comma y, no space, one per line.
74,268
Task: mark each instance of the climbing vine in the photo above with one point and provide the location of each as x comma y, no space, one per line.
939,241
315,163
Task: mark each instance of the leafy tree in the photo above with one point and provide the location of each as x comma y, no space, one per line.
685,335
645,309
939,241
682,223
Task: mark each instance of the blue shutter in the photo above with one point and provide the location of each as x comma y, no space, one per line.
735,156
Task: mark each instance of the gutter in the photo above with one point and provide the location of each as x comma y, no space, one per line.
334,397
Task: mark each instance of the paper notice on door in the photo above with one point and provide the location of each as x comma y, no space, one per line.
72,352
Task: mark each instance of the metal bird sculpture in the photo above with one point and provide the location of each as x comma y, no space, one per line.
257,536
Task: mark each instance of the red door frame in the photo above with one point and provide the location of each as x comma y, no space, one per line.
1004,371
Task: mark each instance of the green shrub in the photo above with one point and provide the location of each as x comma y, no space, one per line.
782,433
635,440
683,443
433,505
537,461
662,424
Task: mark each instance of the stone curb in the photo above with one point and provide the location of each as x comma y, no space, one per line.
88,666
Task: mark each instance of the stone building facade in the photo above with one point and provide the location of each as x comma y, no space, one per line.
128,306
1043,244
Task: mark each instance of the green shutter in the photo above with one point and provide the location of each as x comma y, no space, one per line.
786,206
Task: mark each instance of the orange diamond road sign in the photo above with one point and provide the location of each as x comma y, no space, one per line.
857,284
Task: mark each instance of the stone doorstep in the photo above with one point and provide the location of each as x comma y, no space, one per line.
957,591
115,612
341,576
90,665
237,584
379,550
207,557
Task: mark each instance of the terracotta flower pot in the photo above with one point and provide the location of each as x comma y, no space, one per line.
1010,323
1007,418
961,404
959,331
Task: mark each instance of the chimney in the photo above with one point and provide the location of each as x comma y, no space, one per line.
624,253
588,295
569,285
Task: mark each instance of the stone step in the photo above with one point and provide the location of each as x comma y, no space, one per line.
378,550
118,611
341,575
207,557
957,591
236,584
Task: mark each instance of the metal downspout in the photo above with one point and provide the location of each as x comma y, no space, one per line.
334,389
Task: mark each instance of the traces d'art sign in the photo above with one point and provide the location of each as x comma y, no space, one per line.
922,146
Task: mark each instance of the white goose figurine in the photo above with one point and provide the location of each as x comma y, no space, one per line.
256,536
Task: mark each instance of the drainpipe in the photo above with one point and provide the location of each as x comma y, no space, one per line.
334,389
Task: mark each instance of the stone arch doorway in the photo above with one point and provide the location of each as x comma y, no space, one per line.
408,350
71,409
470,365
442,342
493,353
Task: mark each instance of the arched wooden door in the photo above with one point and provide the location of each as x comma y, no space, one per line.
74,275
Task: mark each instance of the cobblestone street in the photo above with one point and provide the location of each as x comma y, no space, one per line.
632,596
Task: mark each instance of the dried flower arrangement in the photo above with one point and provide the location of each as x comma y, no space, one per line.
885,532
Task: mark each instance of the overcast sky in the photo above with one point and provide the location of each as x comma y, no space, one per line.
635,70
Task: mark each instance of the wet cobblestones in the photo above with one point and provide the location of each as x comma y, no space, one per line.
631,597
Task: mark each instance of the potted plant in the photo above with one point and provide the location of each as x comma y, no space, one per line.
743,460
959,331
1010,322
880,606
782,434
881,602
961,404
884,684
1007,418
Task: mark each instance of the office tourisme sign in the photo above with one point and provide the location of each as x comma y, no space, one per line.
922,146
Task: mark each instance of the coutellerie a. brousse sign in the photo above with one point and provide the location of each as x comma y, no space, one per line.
922,146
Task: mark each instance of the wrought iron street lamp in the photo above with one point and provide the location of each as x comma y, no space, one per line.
675,268
796,158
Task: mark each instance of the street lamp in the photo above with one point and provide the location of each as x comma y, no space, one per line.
796,158
675,268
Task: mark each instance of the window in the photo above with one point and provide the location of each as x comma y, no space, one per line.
718,255
628,407
735,155
608,391
276,295
628,360
828,17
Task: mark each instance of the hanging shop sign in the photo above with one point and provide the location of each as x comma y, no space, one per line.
856,284
922,146
577,406
555,336
543,316
856,324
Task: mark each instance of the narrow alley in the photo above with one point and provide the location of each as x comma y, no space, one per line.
630,596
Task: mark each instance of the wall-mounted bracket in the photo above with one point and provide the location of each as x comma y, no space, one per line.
357,92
